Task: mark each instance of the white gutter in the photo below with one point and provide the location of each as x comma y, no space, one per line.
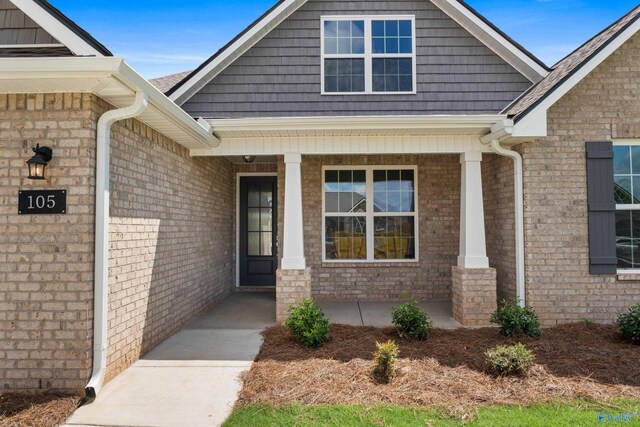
334,123
503,130
101,274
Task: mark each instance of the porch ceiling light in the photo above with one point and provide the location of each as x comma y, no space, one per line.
248,159
38,162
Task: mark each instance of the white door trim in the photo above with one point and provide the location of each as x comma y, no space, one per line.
237,245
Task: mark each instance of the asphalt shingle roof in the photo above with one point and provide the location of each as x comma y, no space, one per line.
570,64
167,82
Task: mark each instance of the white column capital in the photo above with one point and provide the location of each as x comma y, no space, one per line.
293,158
471,156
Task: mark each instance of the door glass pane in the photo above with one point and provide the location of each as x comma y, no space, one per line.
266,220
345,238
253,219
253,195
253,247
266,195
265,244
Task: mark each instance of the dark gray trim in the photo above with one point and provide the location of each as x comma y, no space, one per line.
601,208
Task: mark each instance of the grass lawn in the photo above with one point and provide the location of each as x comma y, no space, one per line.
575,413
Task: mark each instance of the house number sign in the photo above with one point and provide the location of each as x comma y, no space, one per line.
42,202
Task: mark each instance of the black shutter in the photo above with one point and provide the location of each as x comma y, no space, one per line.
602,208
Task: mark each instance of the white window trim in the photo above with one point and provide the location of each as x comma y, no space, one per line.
630,207
368,55
370,215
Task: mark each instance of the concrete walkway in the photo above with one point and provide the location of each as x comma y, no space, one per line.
191,379
373,313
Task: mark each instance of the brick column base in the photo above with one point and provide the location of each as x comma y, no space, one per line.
292,286
474,295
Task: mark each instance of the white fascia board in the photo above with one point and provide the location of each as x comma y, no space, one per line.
168,108
482,26
530,122
56,29
113,68
355,123
534,125
245,42
69,67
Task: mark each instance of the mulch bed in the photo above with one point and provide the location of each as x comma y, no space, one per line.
36,410
448,369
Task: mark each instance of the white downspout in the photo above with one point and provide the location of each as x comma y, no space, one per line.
519,206
101,274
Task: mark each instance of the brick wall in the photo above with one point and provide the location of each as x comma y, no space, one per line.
171,231
171,241
499,218
474,295
603,106
46,262
438,210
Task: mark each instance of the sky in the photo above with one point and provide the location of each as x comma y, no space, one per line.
162,37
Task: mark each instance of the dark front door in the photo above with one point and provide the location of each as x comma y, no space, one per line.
258,260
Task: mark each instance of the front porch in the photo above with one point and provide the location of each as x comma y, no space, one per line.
359,217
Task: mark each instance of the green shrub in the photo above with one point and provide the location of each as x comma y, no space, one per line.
411,321
509,359
384,360
515,320
308,323
629,324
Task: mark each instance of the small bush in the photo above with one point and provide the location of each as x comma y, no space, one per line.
308,323
515,320
629,324
411,321
509,359
384,360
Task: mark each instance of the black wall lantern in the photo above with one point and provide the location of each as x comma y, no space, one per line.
38,162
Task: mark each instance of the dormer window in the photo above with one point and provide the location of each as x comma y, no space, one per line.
368,55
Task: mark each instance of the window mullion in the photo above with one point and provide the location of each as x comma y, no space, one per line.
370,217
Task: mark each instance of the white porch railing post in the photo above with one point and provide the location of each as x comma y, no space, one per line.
293,242
473,248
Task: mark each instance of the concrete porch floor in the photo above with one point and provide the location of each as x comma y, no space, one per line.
378,313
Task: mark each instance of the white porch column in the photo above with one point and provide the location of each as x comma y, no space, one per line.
473,249
293,242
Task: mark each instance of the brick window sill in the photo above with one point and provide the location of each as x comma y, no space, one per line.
406,264
628,277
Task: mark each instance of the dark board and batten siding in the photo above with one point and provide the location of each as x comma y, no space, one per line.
602,208
280,75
